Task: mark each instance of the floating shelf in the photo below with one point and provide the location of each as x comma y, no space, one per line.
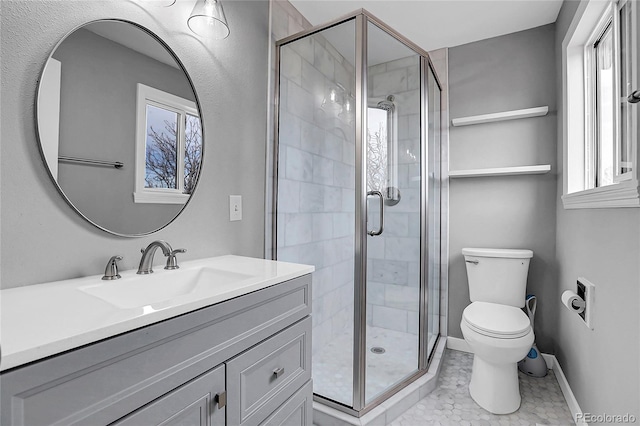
501,171
500,116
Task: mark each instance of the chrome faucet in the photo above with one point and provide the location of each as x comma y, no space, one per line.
146,262
111,271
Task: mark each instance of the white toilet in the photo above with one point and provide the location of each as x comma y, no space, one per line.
498,332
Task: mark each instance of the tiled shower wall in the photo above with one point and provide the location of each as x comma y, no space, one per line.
393,285
285,20
316,181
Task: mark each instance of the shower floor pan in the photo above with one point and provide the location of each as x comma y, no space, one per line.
333,363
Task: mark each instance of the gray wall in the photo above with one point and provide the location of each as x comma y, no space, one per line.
39,228
510,72
602,245
98,121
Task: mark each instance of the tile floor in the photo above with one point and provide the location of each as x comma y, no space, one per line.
451,404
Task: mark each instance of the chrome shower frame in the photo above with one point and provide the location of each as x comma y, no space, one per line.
362,18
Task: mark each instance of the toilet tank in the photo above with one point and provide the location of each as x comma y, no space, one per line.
497,275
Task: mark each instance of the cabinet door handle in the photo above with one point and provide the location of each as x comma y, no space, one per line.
278,372
221,399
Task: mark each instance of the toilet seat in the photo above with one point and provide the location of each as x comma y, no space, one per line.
497,321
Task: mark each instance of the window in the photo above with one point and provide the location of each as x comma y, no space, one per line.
600,126
168,147
601,94
628,75
382,147
377,147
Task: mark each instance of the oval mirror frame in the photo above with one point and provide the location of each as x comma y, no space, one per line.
39,128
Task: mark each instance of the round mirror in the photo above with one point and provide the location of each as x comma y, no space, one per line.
119,127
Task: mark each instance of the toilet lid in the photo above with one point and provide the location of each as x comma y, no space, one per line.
495,320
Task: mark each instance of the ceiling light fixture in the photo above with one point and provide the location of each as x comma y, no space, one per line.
208,20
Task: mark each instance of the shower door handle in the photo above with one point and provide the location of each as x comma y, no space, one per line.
381,227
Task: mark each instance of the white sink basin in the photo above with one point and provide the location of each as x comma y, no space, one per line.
45,319
162,286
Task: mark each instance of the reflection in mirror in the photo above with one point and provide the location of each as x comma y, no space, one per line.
168,147
119,127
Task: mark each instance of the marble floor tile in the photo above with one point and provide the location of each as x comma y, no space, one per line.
451,404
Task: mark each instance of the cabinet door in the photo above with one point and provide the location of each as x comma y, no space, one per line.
297,411
195,403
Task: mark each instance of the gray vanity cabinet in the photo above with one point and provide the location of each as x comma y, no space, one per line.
254,349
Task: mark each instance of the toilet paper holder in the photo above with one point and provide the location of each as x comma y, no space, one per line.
581,302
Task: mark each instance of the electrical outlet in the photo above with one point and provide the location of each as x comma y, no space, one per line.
235,207
586,290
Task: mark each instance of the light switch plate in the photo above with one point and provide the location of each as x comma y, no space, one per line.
235,207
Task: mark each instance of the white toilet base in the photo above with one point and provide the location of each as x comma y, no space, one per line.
495,387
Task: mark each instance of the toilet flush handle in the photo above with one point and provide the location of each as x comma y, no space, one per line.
475,262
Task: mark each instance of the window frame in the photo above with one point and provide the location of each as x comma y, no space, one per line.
630,60
579,191
147,95
593,143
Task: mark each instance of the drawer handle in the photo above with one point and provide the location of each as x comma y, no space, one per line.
221,399
278,372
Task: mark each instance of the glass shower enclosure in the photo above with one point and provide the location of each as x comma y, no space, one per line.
357,194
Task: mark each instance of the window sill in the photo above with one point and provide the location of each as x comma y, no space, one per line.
624,194
160,197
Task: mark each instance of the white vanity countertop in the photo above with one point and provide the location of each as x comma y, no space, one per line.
41,320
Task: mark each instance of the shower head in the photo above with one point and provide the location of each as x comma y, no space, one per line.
634,98
387,104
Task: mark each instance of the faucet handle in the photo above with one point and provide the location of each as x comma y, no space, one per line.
111,271
172,261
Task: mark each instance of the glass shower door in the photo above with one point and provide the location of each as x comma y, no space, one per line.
393,204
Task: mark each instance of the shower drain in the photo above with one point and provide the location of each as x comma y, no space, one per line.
378,350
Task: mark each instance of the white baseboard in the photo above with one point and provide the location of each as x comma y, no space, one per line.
572,402
457,344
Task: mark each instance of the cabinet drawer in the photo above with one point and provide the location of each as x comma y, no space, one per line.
193,403
264,377
297,411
